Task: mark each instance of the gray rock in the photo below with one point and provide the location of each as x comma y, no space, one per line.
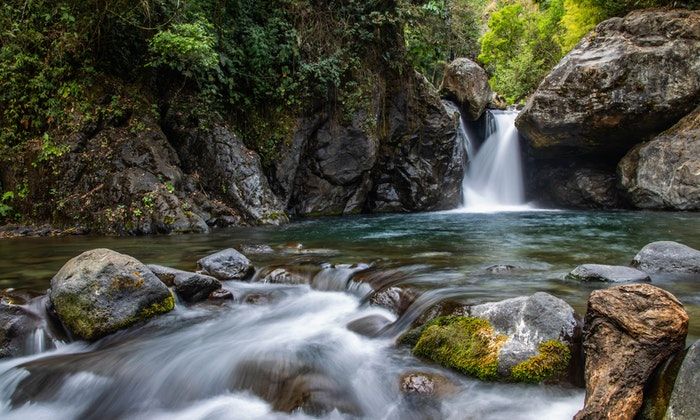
369,326
221,295
287,275
501,269
527,321
256,249
102,291
228,264
16,325
192,287
667,256
607,273
575,184
665,172
684,403
629,79
466,83
394,298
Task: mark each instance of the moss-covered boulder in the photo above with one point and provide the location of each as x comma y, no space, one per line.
525,339
102,291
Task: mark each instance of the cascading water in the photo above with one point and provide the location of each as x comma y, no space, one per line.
494,180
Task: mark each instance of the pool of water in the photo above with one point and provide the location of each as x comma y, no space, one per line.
190,363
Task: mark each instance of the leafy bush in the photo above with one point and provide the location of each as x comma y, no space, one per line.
187,48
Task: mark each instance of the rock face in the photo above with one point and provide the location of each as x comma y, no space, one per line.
607,273
524,339
191,287
629,331
102,291
228,264
665,172
684,403
629,79
466,83
16,324
667,256
227,168
575,184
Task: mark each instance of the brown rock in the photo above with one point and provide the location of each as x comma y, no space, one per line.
468,84
629,331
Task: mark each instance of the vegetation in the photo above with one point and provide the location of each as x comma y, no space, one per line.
551,361
468,345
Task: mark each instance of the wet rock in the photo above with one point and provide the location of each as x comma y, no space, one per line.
16,325
256,249
466,83
220,295
291,384
426,384
607,273
575,184
629,79
228,264
191,287
665,172
396,299
629,331
102,291
657,391
288,275
501,269
684,402
369,326
258,299
667,256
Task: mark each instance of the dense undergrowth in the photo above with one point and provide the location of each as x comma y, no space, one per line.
68,65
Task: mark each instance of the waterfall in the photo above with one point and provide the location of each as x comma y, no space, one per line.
494,180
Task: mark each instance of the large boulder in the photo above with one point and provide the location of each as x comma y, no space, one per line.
191,287
227,264
684,403
628,80
667,256
665,172
628,332
607,273
102,291
524,339
466,83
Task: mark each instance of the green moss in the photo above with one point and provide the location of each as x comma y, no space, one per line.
468,345
166,305
552,360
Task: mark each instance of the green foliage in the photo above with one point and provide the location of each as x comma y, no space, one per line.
469,345
580,17
6,209
551,361
187,48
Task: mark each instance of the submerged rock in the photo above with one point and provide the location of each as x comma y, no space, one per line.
396,299
369,326
102,291
466,83
426,384
665,172
220,295
607,273
525,339
629,79
684,403
628,332
192,287
288,275
256,249
501,269
228,264
667,256
16,325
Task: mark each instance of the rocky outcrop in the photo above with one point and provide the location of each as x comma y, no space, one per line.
667,256
191,287
665,172
466,83
102,291
16,324
630,79
227,168
628,332
524,339
227,264
607,273
575,184
684,403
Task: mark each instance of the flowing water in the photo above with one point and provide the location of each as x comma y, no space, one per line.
494,180
253,357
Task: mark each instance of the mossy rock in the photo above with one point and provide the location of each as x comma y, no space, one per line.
468,345
551,362
101,291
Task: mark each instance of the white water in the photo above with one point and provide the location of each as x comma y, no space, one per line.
494,181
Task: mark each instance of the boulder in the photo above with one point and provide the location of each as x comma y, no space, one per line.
302,274
466,83
629,331
684,403
221,295
228,264
16,325
369,326
629,79
667,256
426,384
102,291
665,172
394,298
524,339
191,287
607,273
575,184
